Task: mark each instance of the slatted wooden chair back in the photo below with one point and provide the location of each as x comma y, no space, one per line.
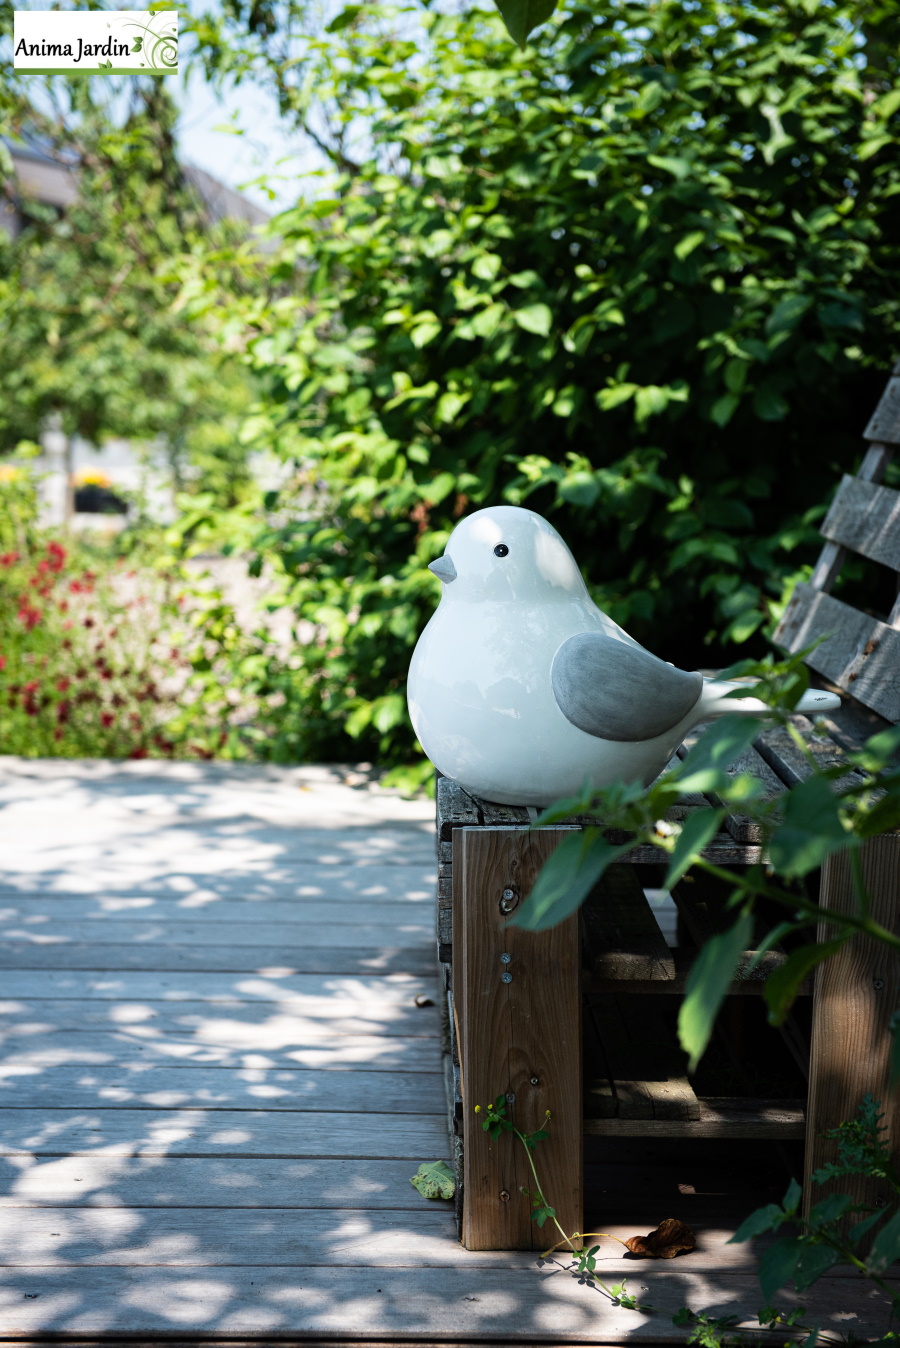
862,653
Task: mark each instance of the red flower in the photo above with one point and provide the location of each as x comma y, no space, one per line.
114,631
138,753
106,719
2,662
9,559
66,625
29,615
75,586
58,733
80,672
88,622
62,712
62,684
174,653
64,606
57,556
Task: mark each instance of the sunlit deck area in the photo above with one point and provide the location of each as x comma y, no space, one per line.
222,1063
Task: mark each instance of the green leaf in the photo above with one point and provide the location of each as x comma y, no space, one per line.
885,1247
714,752
764,1219
856,1233
723,409
534,318
566,879
678,167
782,985
434,1179
830,1209
778,1264
769,405
707,986
523,16
684,247
813,1262
810,830
791,1200
696,831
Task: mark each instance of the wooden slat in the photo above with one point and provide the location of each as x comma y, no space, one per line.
191,1182
520,1033
861,654
455,808
832,557
866,518
244,922
645,1066
248,1026
884,423
320,1048
731,1117
857,991
169,958
747,981
622,938
219,1132
314,991
741,827
281,1237
153,1086
408,1303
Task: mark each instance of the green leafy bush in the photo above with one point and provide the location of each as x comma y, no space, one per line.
641,277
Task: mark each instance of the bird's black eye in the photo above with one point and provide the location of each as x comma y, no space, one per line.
501,550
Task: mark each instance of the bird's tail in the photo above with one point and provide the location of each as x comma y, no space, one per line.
714,700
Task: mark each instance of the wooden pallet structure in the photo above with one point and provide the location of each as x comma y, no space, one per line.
569,1020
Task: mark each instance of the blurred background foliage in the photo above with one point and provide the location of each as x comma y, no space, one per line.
641,277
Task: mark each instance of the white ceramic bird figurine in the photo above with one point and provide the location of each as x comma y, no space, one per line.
521,689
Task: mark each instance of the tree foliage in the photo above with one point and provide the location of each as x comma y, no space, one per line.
87,298
641,277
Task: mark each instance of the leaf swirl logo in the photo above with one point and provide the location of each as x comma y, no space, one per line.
159,47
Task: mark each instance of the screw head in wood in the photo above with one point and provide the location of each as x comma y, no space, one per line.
504,1196
510,1097
505,977
505,958
509,901
535,1081
877,984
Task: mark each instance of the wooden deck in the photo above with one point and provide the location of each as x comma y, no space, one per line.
218,1076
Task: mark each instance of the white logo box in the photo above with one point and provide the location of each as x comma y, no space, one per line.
107,41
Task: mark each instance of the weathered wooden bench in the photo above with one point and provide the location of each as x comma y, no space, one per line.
570,1019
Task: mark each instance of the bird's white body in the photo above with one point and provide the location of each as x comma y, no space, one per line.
481,698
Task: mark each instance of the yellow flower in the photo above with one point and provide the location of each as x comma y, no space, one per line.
10,474
91,477
478,1109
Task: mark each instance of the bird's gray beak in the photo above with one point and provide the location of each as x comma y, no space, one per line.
443,568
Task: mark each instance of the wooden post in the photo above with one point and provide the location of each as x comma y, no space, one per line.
519,1026
856,992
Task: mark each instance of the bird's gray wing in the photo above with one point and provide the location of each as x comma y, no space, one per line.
617,691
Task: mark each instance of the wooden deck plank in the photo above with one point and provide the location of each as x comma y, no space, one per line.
315,991
289,1237
286,958
321,1048
150,1086
219,1132
243,1024
124,1182
526,1303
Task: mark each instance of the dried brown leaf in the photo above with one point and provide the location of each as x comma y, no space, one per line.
669,1239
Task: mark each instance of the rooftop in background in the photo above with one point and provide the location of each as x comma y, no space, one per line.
52,180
